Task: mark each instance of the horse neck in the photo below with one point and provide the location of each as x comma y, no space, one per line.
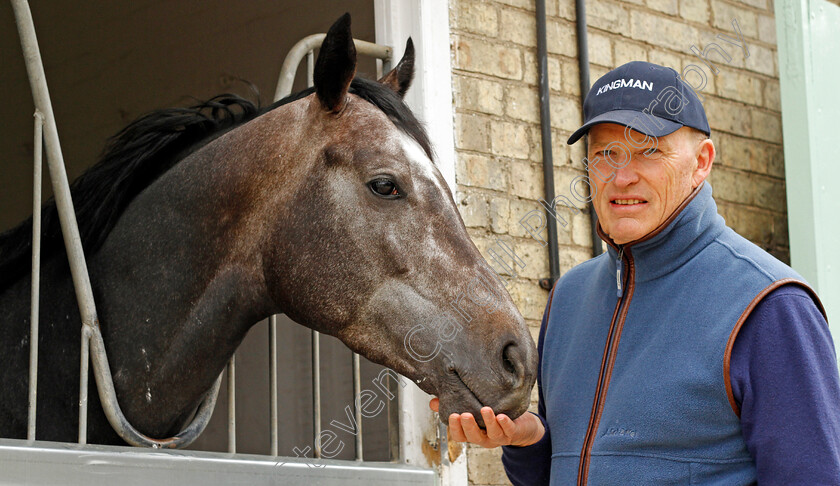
179,282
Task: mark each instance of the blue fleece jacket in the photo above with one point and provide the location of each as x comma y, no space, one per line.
782,372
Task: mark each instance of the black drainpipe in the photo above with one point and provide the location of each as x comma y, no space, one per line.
545,130
583,69
548,158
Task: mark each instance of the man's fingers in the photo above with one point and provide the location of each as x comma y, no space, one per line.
500,429
494,431
471,430
507,425
455,429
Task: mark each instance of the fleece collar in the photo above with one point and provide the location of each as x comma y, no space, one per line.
689,229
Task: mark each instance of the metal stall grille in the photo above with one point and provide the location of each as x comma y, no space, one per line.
43,463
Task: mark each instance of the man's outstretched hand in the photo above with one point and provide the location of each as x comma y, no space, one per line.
500,429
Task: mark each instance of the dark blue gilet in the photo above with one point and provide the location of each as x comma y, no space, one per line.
642,380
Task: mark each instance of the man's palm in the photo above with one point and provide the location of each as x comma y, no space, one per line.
500,429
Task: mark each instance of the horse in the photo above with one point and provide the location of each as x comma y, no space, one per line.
199,222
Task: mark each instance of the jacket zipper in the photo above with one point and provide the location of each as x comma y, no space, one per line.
608,359
618,265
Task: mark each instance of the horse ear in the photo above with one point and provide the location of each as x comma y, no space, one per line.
336,65
399,78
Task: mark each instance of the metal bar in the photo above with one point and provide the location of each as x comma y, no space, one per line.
78,267
443,444
316,391
83,384
272,379
357,403
316,338
231,376
61,190
310,68
545,134
583,73
107,395
309,43
55,161
393,421
36,275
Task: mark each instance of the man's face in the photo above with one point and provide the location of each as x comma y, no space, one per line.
646,185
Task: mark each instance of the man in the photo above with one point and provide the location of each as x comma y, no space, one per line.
684,355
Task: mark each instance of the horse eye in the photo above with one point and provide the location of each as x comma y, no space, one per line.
384,187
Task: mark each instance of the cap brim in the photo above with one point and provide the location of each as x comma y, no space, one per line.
641,122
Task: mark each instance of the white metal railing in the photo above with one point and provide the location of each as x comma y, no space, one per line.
36,274
92,347
306,47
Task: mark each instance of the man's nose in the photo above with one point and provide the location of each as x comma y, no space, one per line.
626,175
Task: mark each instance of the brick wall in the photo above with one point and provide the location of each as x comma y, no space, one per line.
499,171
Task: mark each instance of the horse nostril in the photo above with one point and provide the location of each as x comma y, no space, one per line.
509,358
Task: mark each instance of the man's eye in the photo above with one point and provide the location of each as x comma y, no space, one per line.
384,188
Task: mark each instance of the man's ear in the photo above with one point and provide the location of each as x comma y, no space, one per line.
399,78
705,156
336,65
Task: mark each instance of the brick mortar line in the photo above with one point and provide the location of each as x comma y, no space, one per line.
505,158
558,95
757,209
644,8
723,97
749,172
509,119
748,7
536,162
708,28
671,50
506,43
514,82
478,190
774,144
512,197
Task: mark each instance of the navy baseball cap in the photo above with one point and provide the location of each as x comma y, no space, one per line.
648,98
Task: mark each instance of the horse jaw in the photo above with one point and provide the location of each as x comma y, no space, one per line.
440,359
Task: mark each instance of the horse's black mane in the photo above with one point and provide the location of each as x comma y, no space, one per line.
141,152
